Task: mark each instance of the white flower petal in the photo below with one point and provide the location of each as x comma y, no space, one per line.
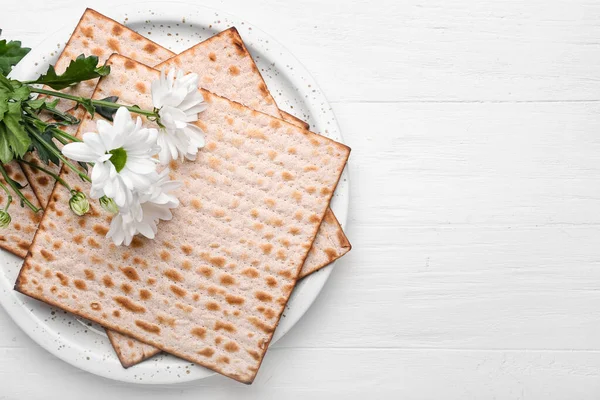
80,152
179,102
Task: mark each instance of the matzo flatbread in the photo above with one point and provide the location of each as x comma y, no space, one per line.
213,291
294,120
213,60
226,68
329,245
130,351
216,60
98,35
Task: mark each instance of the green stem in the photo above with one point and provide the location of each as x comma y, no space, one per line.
59,155
54,112
57,131
65,135
17,190
52,174
61,139
9,196
102,103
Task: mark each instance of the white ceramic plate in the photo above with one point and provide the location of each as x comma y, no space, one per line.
176,26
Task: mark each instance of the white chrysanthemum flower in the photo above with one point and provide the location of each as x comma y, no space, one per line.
122,154
179,102
147,209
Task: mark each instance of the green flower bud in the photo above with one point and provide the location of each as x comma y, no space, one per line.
109,205
4,219
79,203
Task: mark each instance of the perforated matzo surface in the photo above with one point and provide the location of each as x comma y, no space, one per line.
226,68
213,291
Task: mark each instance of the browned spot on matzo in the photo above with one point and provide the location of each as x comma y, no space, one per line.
262,296
259,324
231,347
226,326
108,282
178,290
166,320
150,48
88,31
234,300
129,305
130,273
62,278
148,327
199,331
173,275
47,255
266,248
206,352
227,279
89,274
113,44
79,284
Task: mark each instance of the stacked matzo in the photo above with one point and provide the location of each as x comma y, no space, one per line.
211,292
226,68
92,36
100,35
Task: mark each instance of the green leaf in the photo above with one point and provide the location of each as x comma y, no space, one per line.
44,131
5,85
107,112
89,107
41,150
61,117
83,165
20,91
3,107
11,90
6,154
39,125
37,104
10,54
18,139
81,69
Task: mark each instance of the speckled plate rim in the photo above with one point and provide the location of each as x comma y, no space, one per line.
82,344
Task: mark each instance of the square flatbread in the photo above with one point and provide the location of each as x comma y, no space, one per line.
233,74
131,352
226,69
211,292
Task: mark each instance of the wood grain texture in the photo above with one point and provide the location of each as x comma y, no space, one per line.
474,211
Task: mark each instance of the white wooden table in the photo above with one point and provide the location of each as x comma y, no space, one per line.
475,209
